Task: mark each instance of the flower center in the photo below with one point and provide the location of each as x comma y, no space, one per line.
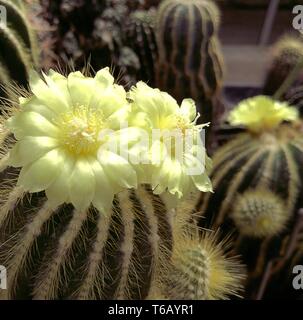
80,130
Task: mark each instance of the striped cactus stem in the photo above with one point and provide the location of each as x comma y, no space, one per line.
190,62
57,253
285,55
140,36
19,50
201,270
258,183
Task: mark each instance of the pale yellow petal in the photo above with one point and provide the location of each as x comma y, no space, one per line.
30,149
58,192
31,124
82,185
39,175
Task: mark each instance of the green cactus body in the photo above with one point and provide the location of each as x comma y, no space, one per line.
140,36
286,53
18,47
83,255
200,270
254,175
190,61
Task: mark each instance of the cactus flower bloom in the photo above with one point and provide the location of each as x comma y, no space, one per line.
262,113
58,129
180,163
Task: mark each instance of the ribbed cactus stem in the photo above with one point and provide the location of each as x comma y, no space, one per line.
200,270
88,254
19,51
190,60
286,56
140,36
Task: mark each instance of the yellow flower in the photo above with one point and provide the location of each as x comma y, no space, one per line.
179,161
59,146
262,113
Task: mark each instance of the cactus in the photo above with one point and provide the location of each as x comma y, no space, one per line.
257,173
18,46
140,36
84,254
190,60
286,53
200,270
259,213
76,211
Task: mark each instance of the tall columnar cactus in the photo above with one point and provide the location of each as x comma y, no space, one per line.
140,36
190,60
286,53
258,183
79,218
19,51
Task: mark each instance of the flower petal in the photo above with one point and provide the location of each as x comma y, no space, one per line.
82,185
58,192
31,124
81,88
104,193
104,78
39,175
118,169
30,149
188,109
48,94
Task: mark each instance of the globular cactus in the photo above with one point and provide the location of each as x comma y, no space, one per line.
286,54
19,50
200,270
258,183
63,252
259,213
140,36
190,60
78,219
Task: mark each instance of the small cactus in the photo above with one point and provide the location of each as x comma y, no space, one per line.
200,270
259,213
19,51
190,60
286,53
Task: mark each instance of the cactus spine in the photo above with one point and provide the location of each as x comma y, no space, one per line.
190,61
18,47
286,53
140,36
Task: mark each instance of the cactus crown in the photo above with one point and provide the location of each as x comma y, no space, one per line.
261,113
259,213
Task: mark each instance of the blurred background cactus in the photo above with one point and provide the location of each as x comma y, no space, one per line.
140,35
19,48
190,61
285,55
